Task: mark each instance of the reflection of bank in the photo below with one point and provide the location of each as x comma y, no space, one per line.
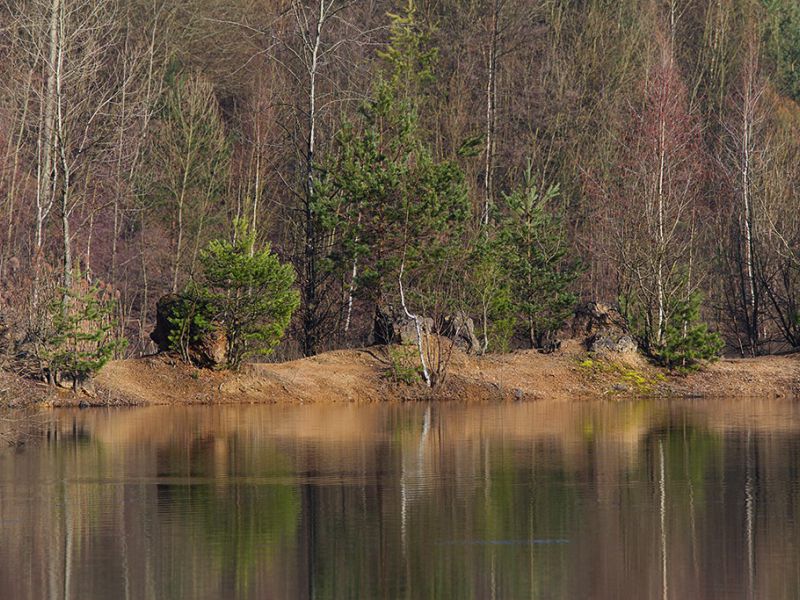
514,499
749,500
662,511
146,522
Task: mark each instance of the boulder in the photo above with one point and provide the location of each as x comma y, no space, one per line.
603,344
208,349
602,329
461,329
393,326
164,310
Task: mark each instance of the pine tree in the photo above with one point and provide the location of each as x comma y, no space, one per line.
400,203
536,259
244,291
782,32
401,207
84,334
687,339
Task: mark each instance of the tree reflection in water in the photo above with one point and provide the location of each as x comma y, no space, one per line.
541,500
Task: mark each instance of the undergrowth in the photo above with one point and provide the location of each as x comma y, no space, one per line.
403,366
625,378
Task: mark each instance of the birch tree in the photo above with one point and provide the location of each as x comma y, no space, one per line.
320,31
743,164
654,205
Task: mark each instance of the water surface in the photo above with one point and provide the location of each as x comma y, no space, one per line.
529,500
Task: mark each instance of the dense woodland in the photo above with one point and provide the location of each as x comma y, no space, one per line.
504,159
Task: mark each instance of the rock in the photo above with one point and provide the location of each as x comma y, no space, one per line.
602,329
210,350
607,344
592,318
164,309
392,326
461,329
205,350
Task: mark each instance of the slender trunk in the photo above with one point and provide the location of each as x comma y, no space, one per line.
660,244
485,344
46,172
352,288
531,332
181,201
65,229
145,286
417,325
350,292
12,188
256,192
310,246
88,259
118,193
752,310
491,115
66,167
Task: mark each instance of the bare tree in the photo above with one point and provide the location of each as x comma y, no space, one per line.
654,209
189,165
743,163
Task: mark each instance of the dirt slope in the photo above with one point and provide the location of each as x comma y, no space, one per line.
360,375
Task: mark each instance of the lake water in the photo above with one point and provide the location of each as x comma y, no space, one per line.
531,500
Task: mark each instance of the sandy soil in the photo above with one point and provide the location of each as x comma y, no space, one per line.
361,376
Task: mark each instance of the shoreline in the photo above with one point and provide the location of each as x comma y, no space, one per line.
360,376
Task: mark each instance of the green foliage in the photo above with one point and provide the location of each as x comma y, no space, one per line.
408,58
246,292
403,367
687,340
84,336
249,292
535,255
190,319
782,41
489,287
395,202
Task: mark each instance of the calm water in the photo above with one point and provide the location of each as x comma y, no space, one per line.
543,500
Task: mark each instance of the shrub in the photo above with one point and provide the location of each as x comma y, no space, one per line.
536,257
246,292
84,336
687,340
403,367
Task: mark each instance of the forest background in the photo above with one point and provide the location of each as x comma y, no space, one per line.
506,159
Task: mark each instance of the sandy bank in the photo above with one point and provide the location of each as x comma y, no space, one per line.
360,376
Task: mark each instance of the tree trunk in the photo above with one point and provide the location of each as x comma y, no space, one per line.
491,114
310,285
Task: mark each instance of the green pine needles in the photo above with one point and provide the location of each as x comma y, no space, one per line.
535,256
243,292
85,332
686,341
